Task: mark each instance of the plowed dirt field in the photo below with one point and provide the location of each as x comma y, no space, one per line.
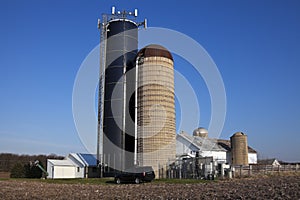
265,187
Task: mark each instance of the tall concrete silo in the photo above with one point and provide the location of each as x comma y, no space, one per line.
239,149
155,108
116,130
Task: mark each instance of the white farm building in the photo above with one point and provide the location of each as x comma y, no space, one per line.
74,165
199,143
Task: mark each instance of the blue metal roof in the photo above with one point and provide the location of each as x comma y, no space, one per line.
89,159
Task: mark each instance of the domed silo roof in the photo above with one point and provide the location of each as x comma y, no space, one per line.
238,134
201,132
155,50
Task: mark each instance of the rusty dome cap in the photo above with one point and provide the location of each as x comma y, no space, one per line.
238,134
155,50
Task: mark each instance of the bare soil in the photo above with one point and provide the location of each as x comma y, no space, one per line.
266,187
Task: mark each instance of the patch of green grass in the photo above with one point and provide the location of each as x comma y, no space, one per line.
94,181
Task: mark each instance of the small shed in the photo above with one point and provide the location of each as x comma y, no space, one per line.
74,165
61,169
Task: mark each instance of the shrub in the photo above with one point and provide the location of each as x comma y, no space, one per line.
17,171
26,171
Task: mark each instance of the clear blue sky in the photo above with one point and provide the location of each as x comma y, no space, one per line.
255,44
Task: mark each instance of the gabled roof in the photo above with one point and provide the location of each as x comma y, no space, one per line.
89,160
272,161
203,144
76,159
61,162
209,144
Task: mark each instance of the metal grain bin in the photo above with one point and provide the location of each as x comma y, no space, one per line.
121,50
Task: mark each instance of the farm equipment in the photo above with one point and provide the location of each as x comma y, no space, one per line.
37,163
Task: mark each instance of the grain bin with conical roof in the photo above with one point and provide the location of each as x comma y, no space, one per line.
156,108
239,149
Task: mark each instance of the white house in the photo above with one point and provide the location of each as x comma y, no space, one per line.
219,149
272,161
74,165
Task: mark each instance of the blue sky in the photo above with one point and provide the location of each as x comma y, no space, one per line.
255,44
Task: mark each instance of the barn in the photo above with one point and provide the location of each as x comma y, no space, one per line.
200,143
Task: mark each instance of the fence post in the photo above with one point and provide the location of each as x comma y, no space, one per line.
169,172
241,167
158,166
250,169
231,172
180,165
222,170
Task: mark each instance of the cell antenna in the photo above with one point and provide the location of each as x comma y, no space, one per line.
135,12
113,10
